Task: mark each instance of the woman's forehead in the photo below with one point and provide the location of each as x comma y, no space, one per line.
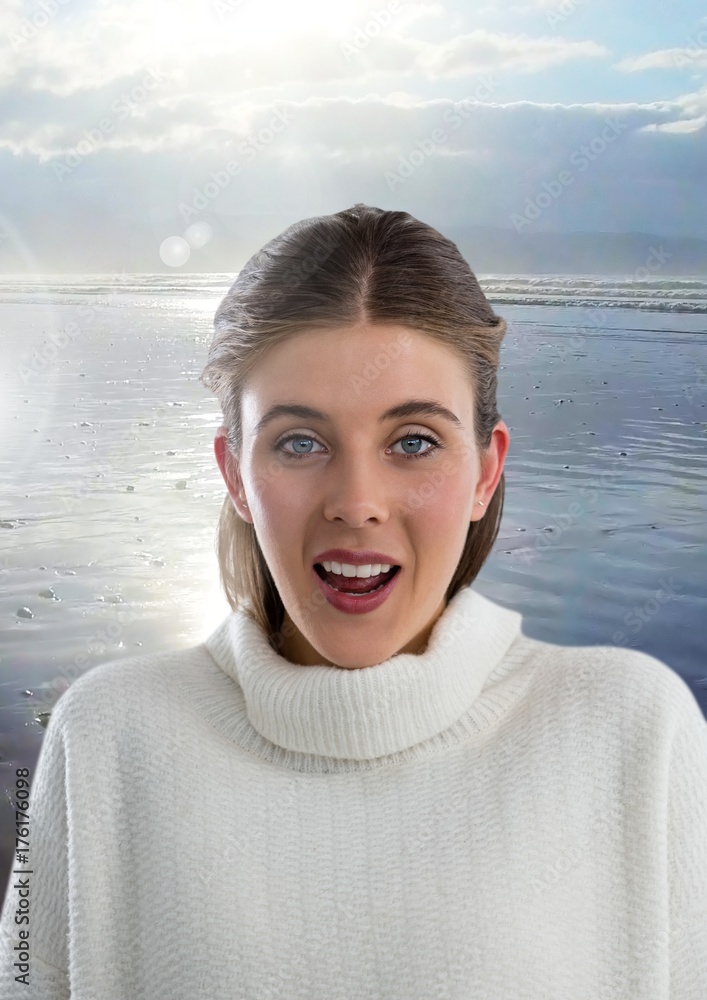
356,357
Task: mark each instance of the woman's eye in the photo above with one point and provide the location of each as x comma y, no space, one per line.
296,439
416,438
299,439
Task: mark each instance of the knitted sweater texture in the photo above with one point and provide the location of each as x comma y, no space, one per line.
496,818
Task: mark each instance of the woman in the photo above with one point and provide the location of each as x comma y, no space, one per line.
367,782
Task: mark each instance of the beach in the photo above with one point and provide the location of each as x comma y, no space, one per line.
111,492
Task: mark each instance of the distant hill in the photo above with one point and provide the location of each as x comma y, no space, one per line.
120,247
504,251
501,251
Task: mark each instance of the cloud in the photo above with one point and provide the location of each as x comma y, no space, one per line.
634,167
678,58
684,127
141,116
96,74
114,116
199,49
363,138
480,50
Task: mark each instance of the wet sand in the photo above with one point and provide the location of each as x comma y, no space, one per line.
111,493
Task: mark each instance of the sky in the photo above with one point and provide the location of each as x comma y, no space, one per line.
156,135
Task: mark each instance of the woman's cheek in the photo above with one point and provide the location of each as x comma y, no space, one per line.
443,489
264,471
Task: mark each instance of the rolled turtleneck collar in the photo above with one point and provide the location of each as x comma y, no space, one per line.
368,712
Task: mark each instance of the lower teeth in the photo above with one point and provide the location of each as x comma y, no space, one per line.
353,593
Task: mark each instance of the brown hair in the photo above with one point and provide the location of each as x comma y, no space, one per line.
363,264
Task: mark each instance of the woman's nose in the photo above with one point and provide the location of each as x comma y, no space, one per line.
356,491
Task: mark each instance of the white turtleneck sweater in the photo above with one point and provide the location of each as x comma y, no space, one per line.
496,818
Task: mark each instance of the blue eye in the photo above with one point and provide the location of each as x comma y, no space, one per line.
298,438
407,437
420,437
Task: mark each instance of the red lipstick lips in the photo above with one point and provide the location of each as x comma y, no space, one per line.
354,599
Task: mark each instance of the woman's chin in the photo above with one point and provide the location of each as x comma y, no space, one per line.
360,659
336,647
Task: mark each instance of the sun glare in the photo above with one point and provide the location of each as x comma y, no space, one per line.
278,18
223,24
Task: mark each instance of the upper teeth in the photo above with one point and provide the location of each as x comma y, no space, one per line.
348,569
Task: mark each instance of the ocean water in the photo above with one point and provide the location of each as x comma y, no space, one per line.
687,294
111,492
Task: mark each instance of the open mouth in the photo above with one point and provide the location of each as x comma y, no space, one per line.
355,584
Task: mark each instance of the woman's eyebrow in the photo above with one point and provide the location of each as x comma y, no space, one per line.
410,408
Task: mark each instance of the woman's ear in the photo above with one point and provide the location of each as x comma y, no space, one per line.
492,467
230,471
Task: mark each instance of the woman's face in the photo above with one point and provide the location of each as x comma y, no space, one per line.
356,479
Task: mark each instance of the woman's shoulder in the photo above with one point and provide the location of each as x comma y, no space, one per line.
616,673
129,686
